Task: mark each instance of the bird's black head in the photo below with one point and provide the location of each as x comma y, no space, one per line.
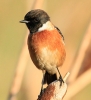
35,19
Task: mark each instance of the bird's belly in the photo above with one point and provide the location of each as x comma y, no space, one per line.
46,51
45,59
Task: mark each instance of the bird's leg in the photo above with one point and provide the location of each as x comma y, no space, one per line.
60,77
42,82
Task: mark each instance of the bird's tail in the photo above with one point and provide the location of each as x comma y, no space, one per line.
48,78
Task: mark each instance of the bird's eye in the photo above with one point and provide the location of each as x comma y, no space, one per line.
36,20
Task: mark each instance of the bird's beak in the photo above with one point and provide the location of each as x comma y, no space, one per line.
24,21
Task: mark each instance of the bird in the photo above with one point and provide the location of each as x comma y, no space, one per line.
45,44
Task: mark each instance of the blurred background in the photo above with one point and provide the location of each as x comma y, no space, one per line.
73,19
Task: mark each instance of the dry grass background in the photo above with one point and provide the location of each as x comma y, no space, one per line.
71,16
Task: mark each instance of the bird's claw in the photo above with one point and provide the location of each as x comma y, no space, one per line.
61,80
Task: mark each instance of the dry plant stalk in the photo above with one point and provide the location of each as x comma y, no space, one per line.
55,90
81,54
78,84
81,69
24,56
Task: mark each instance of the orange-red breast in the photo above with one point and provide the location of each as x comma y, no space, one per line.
45,43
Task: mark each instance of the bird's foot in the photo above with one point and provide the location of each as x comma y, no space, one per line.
42,91
61,80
